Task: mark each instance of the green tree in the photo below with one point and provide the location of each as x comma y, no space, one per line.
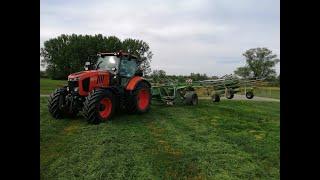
158,75
140,49
244,72
198,76
214,77
260,63
66,54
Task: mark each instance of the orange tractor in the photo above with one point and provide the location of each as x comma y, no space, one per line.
114,83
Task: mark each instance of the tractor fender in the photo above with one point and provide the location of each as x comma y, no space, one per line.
133,82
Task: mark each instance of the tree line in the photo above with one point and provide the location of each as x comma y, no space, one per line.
67,54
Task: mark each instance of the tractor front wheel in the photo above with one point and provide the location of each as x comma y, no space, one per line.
99,106
58,105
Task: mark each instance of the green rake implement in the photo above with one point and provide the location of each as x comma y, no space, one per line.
170,92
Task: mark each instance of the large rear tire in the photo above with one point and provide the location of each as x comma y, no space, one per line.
139,100
58,106
99,106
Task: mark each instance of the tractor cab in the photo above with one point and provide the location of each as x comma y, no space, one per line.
122,64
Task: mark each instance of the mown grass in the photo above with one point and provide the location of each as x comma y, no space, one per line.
47,86
225,140
271,92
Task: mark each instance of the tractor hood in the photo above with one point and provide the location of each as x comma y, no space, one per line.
86,81
84,74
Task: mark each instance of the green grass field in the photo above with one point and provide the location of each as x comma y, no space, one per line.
47,86
225,140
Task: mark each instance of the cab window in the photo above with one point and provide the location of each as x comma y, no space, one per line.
127,67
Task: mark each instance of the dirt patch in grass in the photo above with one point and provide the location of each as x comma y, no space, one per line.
156,133
72,128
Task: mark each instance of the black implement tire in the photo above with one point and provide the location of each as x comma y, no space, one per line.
139,99
249,95
194,99
99,106
230,94
215,98
57,105
191,98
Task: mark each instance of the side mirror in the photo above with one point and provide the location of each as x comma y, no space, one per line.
87,65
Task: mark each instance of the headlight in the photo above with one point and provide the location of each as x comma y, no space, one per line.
76,89
74,79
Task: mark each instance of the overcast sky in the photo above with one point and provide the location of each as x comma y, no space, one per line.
206,36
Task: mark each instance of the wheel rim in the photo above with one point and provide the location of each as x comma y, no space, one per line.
105,111
143,99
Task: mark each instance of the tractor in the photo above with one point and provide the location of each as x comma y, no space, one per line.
114,83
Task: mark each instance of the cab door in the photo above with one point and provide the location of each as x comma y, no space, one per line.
127,69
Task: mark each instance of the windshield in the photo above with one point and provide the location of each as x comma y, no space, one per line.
107,62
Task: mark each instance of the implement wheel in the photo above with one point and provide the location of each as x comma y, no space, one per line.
215,98
191,98
249,95
230,94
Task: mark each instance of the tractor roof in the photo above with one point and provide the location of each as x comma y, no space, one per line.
119,54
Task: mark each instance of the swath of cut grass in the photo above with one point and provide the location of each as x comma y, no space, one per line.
226,140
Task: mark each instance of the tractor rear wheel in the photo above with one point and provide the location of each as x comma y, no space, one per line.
139,99
99,106
58,106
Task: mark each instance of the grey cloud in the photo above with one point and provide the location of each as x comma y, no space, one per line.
185,36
